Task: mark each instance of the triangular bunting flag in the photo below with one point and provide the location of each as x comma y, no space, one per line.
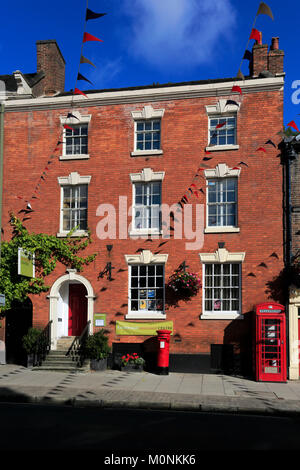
248,55
91,15
70,115
68,127
264,9
81,77
220,125
240,75
89,37
270,142
261,148
79,92
232,102
294,125
255,34
237,88
84,60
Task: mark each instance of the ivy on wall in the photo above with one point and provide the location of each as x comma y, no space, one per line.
48,249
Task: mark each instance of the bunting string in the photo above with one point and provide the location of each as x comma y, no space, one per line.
87,37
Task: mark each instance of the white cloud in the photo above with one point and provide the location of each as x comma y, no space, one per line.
183,32
103,75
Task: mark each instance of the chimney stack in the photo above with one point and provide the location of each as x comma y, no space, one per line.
266,63
51,62
275,58
259,61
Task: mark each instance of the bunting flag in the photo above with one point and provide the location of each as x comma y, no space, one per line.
237,88
68,127
294,125
69,115
91,15
247,55
232,102
240,75
79,92
88,37
270,142
84,60
81,77
220,125
243,163
255,34
261,148
264,9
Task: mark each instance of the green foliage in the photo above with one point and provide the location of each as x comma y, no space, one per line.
97,346
48,249
29,340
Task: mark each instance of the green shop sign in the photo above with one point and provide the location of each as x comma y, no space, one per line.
142,329
26,266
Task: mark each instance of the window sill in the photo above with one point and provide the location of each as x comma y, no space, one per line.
142,233
145,316
215,148
221,230
222,316
146,153
83,156
78,233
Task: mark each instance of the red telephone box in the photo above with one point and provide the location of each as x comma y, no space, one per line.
270,343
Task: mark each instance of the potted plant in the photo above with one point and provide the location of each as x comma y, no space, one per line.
97,350
184,284
132,362
29,342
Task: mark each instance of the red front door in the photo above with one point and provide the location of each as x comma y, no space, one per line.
77,309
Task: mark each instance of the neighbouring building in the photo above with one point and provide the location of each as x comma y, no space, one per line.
148,147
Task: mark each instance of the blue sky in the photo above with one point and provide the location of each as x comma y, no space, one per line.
147,41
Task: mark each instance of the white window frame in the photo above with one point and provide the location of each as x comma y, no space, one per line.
222,256
77,120
221,110
146,176
147,114
74,179
145,258
220,172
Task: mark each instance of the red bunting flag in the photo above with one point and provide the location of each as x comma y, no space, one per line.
293,124
193,185
220,125
261,148
255,34
79,92
237,88
89,37
207,152
67,127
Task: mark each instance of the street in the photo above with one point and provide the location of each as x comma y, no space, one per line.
109,431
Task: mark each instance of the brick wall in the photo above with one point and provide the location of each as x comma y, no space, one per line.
30,138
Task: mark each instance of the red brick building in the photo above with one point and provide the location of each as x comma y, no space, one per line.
144,147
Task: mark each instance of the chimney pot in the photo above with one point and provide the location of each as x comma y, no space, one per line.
275,44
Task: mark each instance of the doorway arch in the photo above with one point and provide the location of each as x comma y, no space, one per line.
55,297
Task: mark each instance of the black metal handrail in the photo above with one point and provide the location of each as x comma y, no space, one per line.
77,350
43,345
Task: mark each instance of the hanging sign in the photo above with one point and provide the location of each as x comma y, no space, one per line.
142,329
26,266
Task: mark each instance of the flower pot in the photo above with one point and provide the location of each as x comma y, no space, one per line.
30,360
99,364
132,368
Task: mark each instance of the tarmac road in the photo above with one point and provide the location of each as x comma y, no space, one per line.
120,432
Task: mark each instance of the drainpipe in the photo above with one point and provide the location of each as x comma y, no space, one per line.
2,108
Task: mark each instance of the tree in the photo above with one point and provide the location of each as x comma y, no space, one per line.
48,250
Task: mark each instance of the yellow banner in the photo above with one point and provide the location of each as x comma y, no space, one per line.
142,329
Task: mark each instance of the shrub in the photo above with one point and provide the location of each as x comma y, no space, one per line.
97,346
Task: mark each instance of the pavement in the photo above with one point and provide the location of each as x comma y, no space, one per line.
175,391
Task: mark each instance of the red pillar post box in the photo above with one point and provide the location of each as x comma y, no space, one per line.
270,343
163,338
